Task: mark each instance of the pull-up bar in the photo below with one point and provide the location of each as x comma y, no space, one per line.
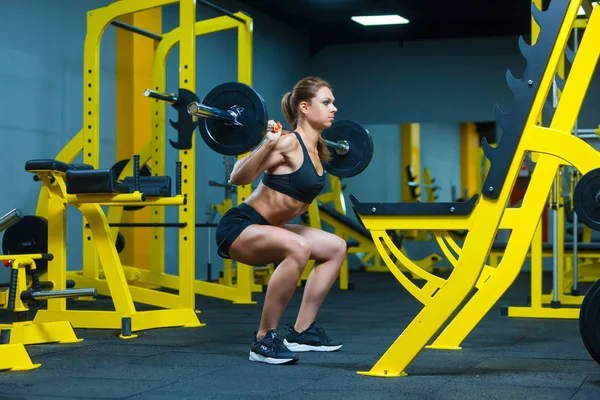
156,36
135,29
221,10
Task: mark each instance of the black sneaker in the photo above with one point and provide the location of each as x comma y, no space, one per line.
270,350
312,339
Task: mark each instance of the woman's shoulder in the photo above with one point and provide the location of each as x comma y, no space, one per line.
287,142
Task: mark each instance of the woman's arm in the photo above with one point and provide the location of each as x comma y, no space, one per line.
267,155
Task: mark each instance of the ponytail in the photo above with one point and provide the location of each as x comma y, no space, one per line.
323,150
288,111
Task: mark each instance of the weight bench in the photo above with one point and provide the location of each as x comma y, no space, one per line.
345,226
84,179
89,189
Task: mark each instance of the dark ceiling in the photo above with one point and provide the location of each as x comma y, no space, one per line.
327,22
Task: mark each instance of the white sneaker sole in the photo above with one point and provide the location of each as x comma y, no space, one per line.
305,347
269,360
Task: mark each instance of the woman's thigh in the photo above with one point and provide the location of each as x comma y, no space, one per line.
264,244
323,245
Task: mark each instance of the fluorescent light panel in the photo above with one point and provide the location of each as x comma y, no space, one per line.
370,20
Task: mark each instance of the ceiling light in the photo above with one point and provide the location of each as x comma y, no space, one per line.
380,20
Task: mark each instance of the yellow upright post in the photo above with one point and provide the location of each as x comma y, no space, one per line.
187,214
411,155
469,148
245,273
133,116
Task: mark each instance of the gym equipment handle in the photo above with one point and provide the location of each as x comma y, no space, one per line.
171,98
29,295
200,110
10,218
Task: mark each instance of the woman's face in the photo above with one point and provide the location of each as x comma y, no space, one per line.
320,112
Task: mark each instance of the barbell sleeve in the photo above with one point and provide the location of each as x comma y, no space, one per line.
10,218
169,97
200,110
342,147
30,295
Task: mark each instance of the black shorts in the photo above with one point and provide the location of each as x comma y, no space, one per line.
233,223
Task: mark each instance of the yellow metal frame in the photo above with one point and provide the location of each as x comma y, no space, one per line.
555,145
14,357
155,151
178,313
179,308
28,332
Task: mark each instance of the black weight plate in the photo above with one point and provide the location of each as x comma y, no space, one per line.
360,153
229,139
28,236
119,167
584,199
589,321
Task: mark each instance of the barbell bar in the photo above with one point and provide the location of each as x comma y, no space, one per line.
232,120
341,147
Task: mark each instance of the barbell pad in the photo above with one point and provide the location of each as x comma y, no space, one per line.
90,181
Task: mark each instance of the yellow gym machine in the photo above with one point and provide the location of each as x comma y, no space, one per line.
486,212
564,298
154,155
177,309
16,296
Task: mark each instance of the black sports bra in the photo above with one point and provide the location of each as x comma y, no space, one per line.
304,184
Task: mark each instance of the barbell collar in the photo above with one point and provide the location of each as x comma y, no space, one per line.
229,116
169,97
341,147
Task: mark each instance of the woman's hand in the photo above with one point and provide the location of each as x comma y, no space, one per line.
273,133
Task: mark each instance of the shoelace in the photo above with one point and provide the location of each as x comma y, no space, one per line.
322,333
277,342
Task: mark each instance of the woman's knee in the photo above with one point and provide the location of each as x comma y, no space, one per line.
339,248
299,251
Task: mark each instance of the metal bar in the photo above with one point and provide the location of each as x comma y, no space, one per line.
29,295
10,218
170,97
342,147
588,136
586,130
221,10
220,184
135,29
157,225
200,110
148,225
573,177
555,241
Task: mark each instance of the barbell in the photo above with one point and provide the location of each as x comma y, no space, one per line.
232,120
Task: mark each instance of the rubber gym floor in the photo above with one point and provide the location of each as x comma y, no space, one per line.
501,359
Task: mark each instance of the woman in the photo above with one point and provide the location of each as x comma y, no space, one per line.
257,231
